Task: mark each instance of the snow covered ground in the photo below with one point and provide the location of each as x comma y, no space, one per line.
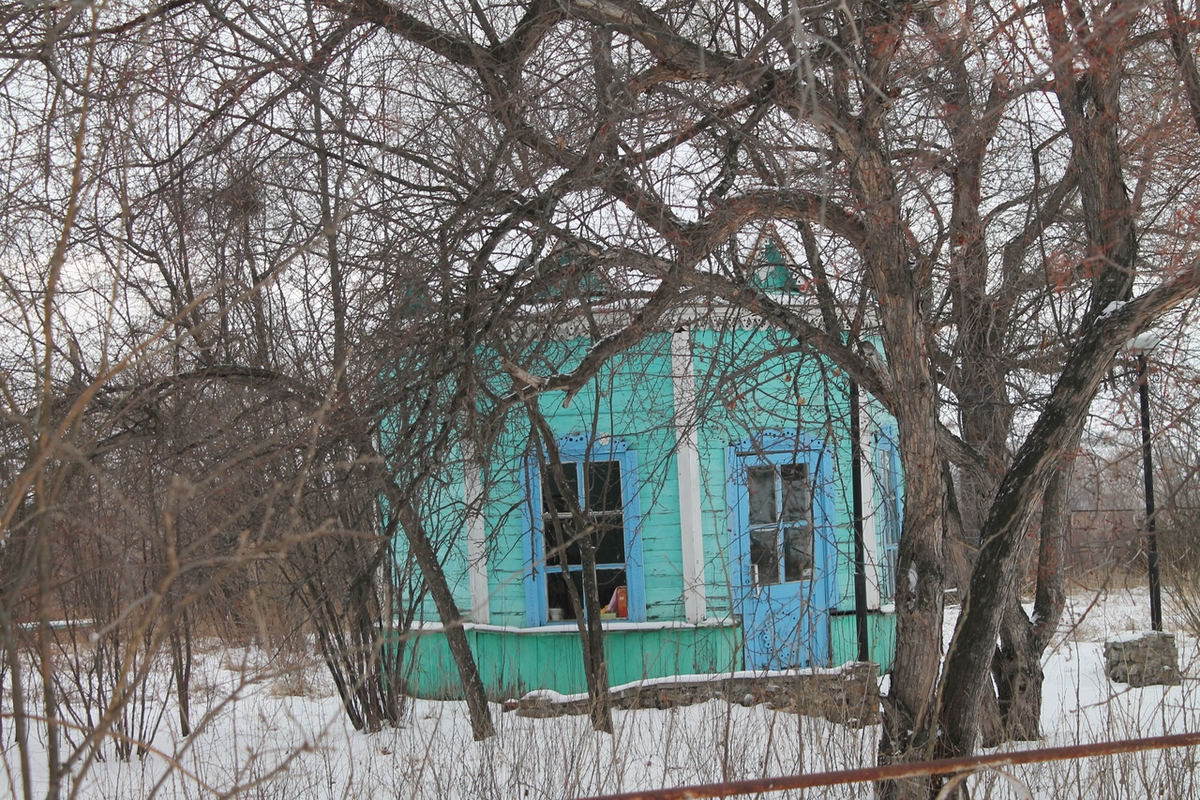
277,731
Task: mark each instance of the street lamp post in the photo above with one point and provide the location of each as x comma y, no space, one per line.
1139,347
1151,659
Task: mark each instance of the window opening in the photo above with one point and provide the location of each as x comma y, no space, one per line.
779,501
603,508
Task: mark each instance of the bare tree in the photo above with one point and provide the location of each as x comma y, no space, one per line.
348,209
872,132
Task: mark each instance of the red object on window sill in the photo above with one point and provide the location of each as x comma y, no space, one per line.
618,604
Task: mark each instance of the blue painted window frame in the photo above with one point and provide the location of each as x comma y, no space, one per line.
782,447
887,460
581,449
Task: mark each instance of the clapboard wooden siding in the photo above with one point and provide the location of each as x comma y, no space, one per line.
513,662
748,380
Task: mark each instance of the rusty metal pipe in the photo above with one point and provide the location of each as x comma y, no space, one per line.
943,766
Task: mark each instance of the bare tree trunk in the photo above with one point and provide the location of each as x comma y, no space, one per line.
586,609
1017,666
452,621
909,709
1184,58
969,661
1017,672
1051,596
909,717
1091,111
45,579
181,665
592,632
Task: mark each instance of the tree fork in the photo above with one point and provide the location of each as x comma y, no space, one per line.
1054,434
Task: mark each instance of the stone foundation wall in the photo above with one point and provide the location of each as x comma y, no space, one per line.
848,695
1149,659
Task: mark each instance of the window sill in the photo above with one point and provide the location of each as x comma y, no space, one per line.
568,626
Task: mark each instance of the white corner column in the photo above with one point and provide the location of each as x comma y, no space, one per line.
870,512
687,458
477,572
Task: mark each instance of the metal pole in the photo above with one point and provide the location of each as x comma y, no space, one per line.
1148,477
860,555
945,766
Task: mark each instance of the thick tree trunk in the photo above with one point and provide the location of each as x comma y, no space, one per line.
997,568
909,709
1017,671
989,712
909,712
1092,115
910,717
1017,666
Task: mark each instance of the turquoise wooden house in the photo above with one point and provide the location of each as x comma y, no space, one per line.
712,466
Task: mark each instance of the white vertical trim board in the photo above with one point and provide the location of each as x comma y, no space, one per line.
870,512
477,572
687,458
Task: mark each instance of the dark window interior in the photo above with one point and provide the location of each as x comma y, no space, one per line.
608,580
779,500
797,552
608,537
794,480
760,482
555,498
764,556
601,517
604,486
